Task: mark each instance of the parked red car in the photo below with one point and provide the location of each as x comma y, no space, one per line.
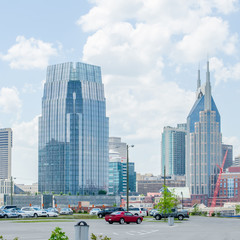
123,217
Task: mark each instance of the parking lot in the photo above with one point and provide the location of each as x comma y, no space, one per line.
195,228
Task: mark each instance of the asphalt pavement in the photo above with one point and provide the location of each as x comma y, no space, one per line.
196,228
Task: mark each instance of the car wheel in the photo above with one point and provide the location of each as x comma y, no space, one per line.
20,216
110,222
180,217
158,217
139,220
5,216
35,215
47,215
122,221
100,215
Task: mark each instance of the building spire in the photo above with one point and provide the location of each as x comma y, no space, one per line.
199,80
208,95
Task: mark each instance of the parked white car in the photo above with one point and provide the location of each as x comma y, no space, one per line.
51,213
94,211
137,211
35,212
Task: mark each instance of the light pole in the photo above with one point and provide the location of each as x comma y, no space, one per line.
128,146
182,199
12,189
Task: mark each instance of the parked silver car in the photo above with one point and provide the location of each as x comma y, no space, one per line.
8,214
66,211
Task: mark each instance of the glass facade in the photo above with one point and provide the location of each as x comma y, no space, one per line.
73,131
5,153
204,143
118,168
173,150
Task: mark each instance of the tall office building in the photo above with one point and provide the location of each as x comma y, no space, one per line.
236,161
204,141
5,153
118,168
73,131
173,150
229,158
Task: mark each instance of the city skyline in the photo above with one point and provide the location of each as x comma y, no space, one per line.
149,56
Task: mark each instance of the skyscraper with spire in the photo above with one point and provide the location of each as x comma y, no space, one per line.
204,141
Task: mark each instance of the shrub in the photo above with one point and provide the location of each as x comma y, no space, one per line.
100,237
213,214
57,234
218,214
1,238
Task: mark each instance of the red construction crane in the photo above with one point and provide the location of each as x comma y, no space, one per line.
213,204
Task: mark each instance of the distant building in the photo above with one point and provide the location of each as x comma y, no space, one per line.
32,188
236,161
204,141
118,168
5,153
115,144
153,186
5,186
173,150
229,159
230,184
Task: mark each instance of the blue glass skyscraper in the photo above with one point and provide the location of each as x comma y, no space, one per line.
204,141
173,150
73,131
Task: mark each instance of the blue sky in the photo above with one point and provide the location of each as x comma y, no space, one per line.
149,52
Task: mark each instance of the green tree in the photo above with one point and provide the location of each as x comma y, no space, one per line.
167,201
102,192
237,209
57,234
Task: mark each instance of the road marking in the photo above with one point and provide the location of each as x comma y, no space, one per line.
143,232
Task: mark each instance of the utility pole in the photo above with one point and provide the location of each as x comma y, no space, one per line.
127,179
128,146
11,191
164,190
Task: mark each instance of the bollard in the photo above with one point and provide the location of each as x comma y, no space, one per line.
81,231
170,221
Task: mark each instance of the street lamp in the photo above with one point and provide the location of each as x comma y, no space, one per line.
182,199
128,146
12,189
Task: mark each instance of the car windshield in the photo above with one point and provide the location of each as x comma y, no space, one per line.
37,209
116,213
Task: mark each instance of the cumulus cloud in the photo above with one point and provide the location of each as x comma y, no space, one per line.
224,73
9,100
135,41
25,139
29,53
210,37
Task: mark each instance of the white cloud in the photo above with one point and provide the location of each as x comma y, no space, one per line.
135,41
211,36
223,73
25,151
9,100
29,53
